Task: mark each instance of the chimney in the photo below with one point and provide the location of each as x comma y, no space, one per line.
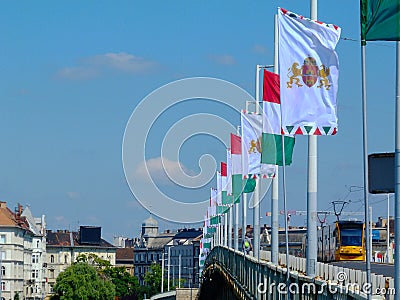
19,209
3,204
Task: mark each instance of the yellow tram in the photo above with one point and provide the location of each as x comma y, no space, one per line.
343,240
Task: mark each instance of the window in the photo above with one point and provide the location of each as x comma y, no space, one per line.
51,274
3,271
52,258
35,274
3,286
3,255
65,258
2,238
37,244
35,258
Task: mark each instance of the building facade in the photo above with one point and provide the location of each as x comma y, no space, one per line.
16,244
149,248
38,262
182,257
64,246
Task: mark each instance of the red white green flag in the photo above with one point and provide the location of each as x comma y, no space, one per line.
228,171
236,156
272,134
251,125
309,74
224,179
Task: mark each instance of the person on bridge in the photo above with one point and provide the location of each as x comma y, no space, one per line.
247,246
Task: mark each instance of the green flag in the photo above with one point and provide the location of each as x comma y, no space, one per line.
249,185
380,20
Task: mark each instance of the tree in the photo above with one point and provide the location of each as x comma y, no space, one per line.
82,281
125,284
152,279
16,296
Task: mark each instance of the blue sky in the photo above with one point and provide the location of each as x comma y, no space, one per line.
73,73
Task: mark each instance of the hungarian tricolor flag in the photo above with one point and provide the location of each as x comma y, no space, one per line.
272,134
221,208
236,157
224,178
251,125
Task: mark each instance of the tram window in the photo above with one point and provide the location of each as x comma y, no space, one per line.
351,237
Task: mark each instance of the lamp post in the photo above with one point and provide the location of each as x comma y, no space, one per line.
169,264
179,276
162,273
388,254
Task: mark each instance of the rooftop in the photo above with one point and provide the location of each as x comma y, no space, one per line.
65,238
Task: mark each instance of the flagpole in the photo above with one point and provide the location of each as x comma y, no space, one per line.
312,249
236,217
365,165
226,229
275,182
275,193
230,226
244,195
397,176
256,194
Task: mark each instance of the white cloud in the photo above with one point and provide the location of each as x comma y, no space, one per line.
59,219
223,59
157,168
78,73
259,49
73,195
124,62
98,65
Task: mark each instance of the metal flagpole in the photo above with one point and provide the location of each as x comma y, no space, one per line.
236,217
230,226
244,195
162,272
365,160
275,183
397,176
312,191
236,227
179,274
284,192
169,265
388,258
226,229
256,194
217,236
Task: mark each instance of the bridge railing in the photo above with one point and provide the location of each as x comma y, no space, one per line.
264,280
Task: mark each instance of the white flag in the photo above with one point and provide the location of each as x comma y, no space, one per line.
309,74
251,125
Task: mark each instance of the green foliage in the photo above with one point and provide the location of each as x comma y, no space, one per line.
82,281
93,260
125,284
152,278
16,296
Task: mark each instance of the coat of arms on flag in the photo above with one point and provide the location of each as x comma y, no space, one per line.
309,73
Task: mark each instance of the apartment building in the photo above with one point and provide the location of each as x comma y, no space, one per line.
38,279
64,246
16,240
